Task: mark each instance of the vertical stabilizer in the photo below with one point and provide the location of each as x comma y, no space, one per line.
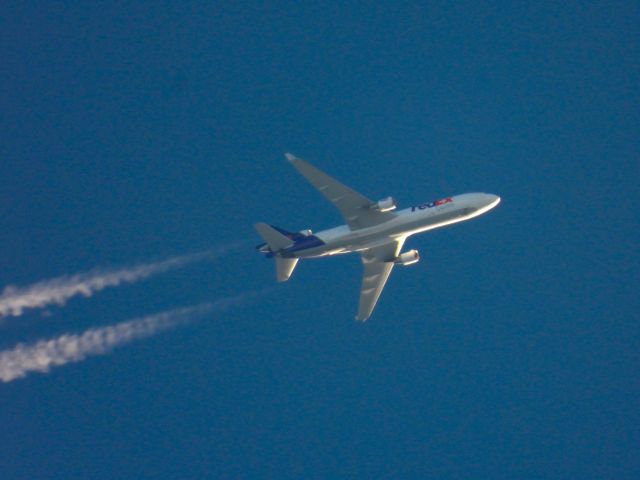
284,267
276,240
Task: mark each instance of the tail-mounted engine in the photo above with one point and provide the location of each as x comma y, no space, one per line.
407,258
384,205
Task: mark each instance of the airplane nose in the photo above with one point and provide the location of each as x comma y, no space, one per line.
493,200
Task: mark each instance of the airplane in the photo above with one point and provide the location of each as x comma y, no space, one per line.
375,230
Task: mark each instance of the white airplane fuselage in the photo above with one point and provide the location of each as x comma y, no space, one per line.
407,222
374,230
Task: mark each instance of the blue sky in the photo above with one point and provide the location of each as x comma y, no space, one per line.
135,133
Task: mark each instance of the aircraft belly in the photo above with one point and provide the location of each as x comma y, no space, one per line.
321,251
435,220
343,240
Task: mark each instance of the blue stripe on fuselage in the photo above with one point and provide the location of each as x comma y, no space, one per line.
304,243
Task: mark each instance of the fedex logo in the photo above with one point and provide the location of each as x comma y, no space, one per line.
437,203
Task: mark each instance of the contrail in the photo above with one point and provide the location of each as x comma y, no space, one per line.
14,300
68,348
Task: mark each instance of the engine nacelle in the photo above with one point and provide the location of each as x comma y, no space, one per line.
384,205
306,232
407,258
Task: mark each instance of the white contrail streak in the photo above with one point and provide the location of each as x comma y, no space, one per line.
56,291
68,348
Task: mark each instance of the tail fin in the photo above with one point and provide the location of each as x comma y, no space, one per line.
284,267
287,233
276,240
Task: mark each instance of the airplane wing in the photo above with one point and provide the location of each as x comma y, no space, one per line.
354,207
378,263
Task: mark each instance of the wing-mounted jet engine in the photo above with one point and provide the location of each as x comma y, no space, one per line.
384,205
407,258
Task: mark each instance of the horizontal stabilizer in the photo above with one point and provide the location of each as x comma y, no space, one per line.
284,267
276,240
